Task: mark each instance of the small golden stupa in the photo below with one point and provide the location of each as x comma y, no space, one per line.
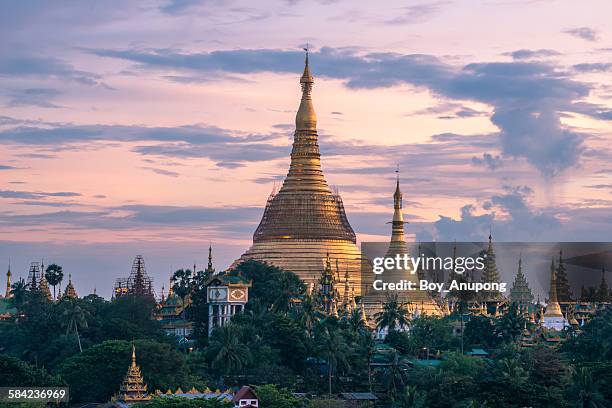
70,291
133,388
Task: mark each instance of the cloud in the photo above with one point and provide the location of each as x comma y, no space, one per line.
417,13
584,33
36,194
518,221
163,172
6,167
524,54
41,97
527,97
45,67
488,160
593,67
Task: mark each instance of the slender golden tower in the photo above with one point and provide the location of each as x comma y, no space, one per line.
305,220
414,300
9,292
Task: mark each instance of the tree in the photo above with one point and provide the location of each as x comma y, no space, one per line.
272,286
586,390
97,372
510,326
432,333
179,402
20,293
226,351
182,283
480,331
54,275
74,317
16,373
367,348
270,396
333,349
411,397
393,315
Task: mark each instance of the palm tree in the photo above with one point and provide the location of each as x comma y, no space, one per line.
226,349
511,324
393,315
512,372
73,318
20,293
54,275
411,398
355,322
333,348
309,316
393,377
367,348
588,393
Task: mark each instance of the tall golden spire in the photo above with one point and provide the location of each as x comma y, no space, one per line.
552,307
398,241
9,292
306,119
305,207
209,267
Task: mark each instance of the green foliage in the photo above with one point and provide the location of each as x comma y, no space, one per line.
95,374
394,315
16,373
270,396
480,331
179,402
433,333
272,287
326,403
54,275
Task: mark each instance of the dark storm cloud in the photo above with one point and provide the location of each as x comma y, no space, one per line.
527,97
584,33
531,54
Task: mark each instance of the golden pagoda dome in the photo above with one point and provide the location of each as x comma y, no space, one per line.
305,219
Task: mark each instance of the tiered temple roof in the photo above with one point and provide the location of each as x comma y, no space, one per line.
520,292
564,293
490,274
70,291
133,389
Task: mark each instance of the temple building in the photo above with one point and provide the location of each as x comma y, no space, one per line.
520,292
564,293
491,275
305,220
70,291
137,284
133,388
171,313
326,295
419,302
553,317
226,295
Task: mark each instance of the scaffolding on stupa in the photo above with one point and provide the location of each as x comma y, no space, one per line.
34,275
137,284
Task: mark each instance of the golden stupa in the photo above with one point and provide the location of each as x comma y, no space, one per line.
418,302
304,221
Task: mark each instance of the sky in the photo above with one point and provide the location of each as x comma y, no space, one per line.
161,127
